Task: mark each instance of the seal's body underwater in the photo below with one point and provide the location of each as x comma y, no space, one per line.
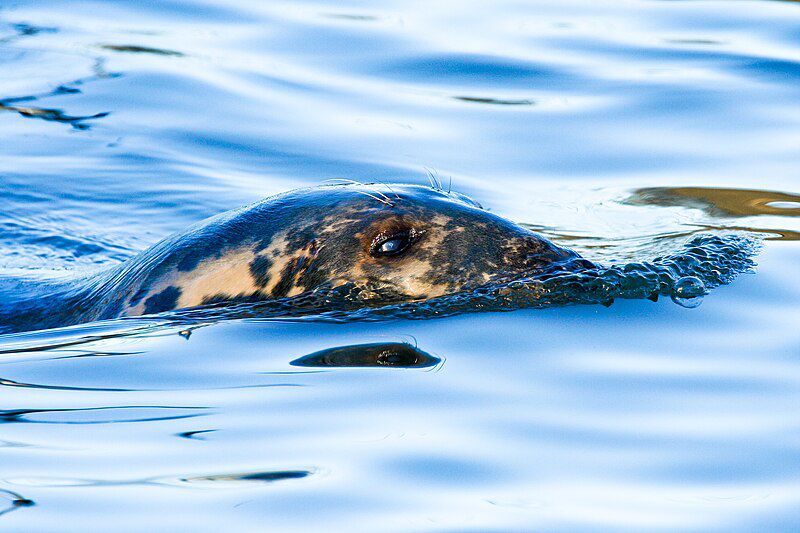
389,243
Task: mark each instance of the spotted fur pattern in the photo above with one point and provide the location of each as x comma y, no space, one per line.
295,243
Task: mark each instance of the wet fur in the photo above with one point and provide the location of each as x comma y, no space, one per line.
296,242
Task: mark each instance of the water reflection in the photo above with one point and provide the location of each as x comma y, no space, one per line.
721,202
99,415
78,122
349,16
388,354
57,340
16,501
246,478
196,434
641,416
492,101
12,383
211,480
53,115
22,29
777,234
136,49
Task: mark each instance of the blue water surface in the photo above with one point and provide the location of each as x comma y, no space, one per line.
618,129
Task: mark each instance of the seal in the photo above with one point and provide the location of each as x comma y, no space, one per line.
386,243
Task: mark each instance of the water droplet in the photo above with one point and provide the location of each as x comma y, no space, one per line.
688,292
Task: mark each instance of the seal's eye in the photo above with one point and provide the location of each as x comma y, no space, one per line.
390,245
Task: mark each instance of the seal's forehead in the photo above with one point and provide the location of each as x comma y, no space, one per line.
425,193
395,195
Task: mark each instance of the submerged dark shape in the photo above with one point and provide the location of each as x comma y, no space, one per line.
355,251
384,354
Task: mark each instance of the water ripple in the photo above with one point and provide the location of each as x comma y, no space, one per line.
99,415
636,133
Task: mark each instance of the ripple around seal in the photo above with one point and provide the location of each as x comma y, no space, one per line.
711,259
24,344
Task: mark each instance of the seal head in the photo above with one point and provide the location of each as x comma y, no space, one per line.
390,243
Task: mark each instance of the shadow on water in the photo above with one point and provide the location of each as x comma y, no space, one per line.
389,354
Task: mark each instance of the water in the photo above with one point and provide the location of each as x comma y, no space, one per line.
619,129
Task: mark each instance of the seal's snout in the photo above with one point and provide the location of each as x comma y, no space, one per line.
531,253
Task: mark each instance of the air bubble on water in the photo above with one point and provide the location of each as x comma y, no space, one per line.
688,292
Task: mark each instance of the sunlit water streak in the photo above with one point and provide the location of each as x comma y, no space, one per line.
620,129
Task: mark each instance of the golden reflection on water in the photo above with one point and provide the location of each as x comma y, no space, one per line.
720,203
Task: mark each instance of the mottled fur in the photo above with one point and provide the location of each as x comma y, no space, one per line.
299,241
